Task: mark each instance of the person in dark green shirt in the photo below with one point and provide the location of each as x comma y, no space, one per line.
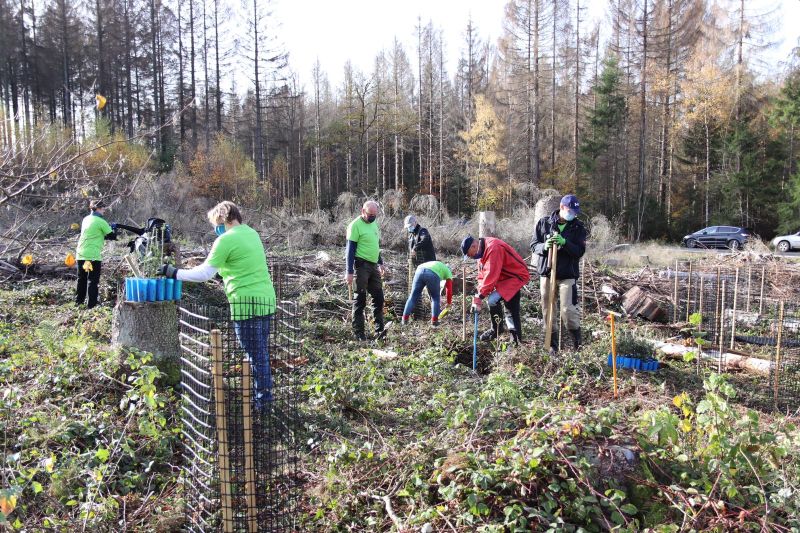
94,231
238,256
365,266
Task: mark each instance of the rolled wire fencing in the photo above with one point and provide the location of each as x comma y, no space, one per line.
239,411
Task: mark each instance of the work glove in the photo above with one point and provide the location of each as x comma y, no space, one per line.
476,304
548,243
559,239
168,271
113,226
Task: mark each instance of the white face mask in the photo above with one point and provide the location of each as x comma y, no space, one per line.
567,215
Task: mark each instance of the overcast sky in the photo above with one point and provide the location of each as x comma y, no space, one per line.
337,30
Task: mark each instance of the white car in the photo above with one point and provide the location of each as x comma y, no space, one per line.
786,243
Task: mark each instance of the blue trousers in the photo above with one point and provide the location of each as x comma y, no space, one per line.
253,335
424,279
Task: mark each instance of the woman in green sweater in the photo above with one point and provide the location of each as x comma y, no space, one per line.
238,256
94,230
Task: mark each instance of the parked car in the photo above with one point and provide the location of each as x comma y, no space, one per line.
786,243
718,237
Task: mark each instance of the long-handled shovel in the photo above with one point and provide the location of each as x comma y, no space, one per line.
475,344
553,260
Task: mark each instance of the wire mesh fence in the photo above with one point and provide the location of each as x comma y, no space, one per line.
240,414
748,317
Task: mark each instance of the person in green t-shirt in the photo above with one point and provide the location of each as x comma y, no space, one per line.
430,275
94,230
238,256
365,266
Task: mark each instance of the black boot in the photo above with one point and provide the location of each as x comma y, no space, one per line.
553,343
515,338
576,337
489,335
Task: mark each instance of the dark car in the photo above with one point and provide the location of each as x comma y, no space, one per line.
718,237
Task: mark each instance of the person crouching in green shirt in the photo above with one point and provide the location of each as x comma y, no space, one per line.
430,275
365,265
238,256
94,230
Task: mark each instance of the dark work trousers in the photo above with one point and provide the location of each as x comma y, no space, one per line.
368,280
92,279
510,311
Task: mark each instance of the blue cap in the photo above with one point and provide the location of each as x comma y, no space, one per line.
466,243
571,201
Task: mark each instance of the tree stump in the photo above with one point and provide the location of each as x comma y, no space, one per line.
487,224
150,327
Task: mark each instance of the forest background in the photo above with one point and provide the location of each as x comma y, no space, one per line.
662,115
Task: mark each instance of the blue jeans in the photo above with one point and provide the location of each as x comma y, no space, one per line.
253,335
424,278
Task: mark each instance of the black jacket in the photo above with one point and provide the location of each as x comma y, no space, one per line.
420,241
569,255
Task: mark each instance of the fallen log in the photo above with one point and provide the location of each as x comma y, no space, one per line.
738,361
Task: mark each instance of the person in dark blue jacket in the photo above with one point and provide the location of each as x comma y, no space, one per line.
563,230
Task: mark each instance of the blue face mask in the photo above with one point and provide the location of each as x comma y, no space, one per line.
567,214
219,229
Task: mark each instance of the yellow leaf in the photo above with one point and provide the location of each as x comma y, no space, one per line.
53,174
87,266
27,260
686,426
49,464
85,193
7,504
75,226
101,101
678,400
69,260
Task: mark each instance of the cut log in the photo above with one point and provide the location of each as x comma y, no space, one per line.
637,302
739,361
150,327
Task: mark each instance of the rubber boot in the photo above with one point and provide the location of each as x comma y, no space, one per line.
554,343
576,337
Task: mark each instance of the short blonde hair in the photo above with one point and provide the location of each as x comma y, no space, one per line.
224,212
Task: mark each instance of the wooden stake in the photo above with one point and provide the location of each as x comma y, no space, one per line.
689,294
551,290
464,303
249,467
700,326
582,266
675,295
613,354
224,460
761,298
720,366
749,283
778,354
733,314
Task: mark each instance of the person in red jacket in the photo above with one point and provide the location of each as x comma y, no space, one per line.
502,273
